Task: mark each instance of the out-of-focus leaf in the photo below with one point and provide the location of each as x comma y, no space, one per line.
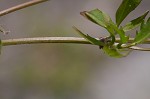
97,17
143,34
89,38
134,23
125,8
112,52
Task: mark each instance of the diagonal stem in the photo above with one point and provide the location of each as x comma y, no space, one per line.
21,6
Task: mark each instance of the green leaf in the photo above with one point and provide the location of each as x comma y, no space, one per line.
143,23
148,20
97,17
123,37
143,34
112,34
89,38
125,8
101,19
134,23
113,52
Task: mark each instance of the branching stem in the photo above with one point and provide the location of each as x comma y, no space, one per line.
38,40
75,40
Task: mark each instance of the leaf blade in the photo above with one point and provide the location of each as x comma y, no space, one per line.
125,8
97,17
143,34
123,37
136,22
89,38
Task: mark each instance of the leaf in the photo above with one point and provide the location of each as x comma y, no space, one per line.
148,20
123,37
89,38
101,19
112,52
143,23
134,23
125,8
97,17
143,34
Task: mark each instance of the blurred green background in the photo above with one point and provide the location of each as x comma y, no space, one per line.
67,71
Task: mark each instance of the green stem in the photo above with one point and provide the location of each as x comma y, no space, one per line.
75,40
38,40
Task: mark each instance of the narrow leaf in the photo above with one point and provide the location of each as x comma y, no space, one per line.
125,8
134,23
97,17
142,24
148,20
89,38
143,34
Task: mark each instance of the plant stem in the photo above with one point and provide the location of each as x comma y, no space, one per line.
38,40
75,40
21,6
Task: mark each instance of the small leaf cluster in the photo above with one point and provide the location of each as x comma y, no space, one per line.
109,44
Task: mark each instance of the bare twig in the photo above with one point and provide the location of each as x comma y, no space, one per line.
139,48
38,40
21,6
75,40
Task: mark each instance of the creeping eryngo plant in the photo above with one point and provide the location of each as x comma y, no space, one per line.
110,45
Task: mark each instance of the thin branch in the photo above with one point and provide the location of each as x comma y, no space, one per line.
21,6
38,40
139,48
75,40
